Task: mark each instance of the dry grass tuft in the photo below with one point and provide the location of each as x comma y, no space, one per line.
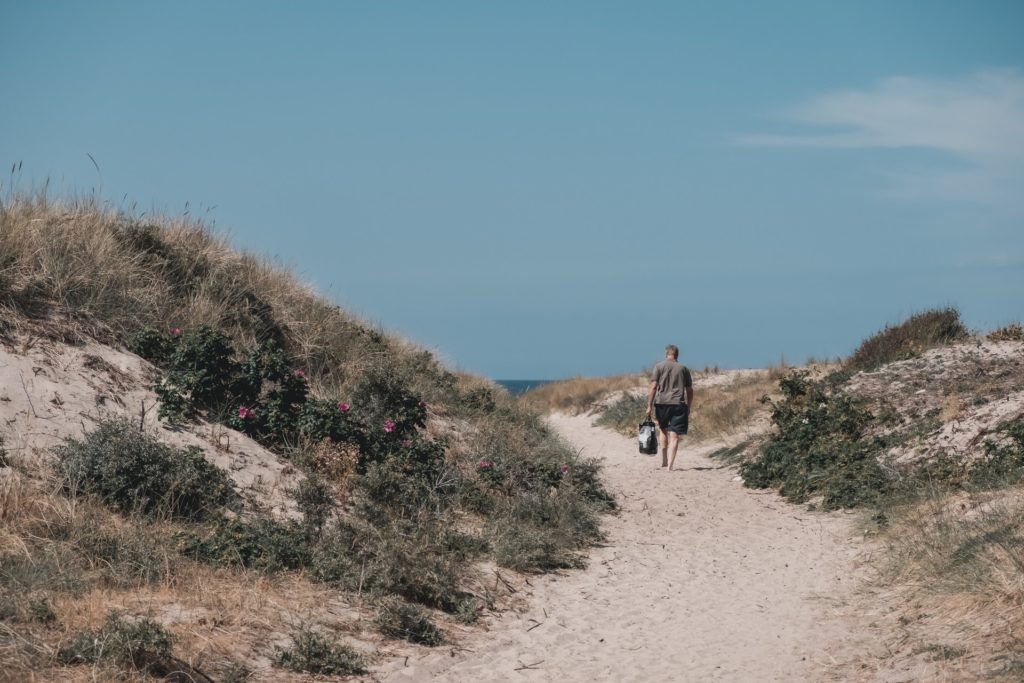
962,555
916,334
951,408
579,394
336,462
726,408
1011,332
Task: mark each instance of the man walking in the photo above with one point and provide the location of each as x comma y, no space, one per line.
670,398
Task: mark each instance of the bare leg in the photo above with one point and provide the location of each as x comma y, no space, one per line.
673,446
663,443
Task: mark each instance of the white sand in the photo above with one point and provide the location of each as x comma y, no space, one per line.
701,579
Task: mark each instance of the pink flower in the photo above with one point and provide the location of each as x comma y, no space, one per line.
389,426
484,464
245,413
301,374
564,469
175,331
344,407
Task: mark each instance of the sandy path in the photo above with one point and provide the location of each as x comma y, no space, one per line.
701,579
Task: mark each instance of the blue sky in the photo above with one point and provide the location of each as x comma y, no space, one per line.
538,189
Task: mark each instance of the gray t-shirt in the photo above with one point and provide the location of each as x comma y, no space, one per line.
672,378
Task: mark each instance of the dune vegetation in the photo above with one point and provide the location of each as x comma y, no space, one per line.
416,483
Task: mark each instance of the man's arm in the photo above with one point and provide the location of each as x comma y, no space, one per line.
650,397
689,397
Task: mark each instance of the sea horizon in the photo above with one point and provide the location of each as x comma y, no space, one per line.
519,386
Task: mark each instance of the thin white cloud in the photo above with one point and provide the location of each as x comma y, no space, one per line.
978,120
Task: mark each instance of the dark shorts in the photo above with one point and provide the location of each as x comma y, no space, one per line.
673,418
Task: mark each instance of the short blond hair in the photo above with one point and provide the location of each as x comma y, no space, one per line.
673,351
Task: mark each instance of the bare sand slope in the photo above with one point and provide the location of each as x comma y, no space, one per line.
701,579
50,392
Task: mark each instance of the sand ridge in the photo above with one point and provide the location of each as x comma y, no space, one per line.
700,579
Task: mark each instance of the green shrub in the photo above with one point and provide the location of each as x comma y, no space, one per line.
315,500
133,472
820,447
129,556
398,619
390,411
141,644
319,419
315,653
260,543
476,402
266,395
153,345
913,336
410,558
1002,463
203,377
54,567
540,532
405,478
517,453
624,414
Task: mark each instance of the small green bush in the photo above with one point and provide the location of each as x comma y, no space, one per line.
624,414
260,543
916,334
1002,463
410,558
203,377
384,395
398,619
141,644
133,472
130,556
405,478
152,345
53,567
540,532
821,447
517,454
315,653
315,500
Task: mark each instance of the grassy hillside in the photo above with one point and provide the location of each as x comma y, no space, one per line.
413,478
